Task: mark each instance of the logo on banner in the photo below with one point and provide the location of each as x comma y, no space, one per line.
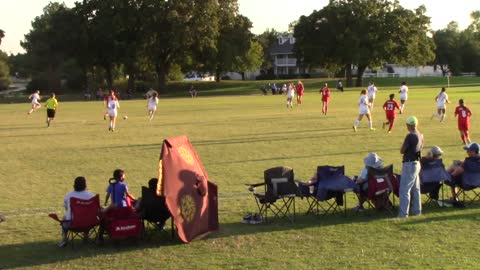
187,208
186,155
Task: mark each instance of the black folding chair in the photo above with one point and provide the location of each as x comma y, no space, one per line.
279,194
154,212
432,177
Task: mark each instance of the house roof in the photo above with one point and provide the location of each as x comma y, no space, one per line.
285,48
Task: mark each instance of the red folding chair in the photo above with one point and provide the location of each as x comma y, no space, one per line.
121,223
85,218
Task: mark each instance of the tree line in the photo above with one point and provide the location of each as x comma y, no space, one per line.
98,41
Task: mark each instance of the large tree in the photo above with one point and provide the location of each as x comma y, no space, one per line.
364,33
447,43
2,35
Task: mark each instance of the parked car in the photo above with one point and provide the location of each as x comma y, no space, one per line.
198,77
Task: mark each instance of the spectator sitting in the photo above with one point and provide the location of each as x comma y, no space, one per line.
192,91
160,213
433,154
79,191
371,161
273,87
99,95
339,85
456,170
118,190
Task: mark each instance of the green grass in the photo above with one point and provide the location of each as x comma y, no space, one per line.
237,137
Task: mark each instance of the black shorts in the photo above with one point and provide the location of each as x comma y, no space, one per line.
50,113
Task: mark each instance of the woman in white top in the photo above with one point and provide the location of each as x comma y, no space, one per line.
112,107
152,105
442,100
403,95
372,91
35,97
363,110
290,95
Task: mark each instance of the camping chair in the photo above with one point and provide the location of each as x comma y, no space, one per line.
470,179
85,219
279,195
153,211
432,177
120,223
331,184
381,184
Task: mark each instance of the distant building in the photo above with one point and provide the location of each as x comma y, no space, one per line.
284,60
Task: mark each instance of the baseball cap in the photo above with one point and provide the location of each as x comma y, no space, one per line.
472,147
412,120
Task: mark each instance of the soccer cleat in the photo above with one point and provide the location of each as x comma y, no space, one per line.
373,129
354,129
389,132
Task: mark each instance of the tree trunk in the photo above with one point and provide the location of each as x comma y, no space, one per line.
162,72
348,75
109,76
218,74
243,75
360,71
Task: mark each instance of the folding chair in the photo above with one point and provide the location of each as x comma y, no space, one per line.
153,211
85,219
470,179
331,184
120,223
279,195
382,184
432,177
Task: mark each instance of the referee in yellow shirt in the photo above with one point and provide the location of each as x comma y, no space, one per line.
51,105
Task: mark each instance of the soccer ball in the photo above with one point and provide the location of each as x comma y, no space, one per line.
125,117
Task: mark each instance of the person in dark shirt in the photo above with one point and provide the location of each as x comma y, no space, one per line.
410,180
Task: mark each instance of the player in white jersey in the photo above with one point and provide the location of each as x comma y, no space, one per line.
363,110
372,90
152,105
112,107
442,100
290,95
403,95
35,97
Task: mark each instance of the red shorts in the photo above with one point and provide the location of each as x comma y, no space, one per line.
391,119
326,99
463,126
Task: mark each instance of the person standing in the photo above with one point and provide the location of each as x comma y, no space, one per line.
463,113
442,100
51,105
152,105
389,107
325,92
363,110
403,95
372,91
112,107
290,95
410,181
35,97
339,85
300,90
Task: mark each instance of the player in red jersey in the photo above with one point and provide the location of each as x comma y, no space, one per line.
325,92
389,106
463,113
300,89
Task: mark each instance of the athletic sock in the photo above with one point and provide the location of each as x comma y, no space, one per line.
356,123
463,138
370,124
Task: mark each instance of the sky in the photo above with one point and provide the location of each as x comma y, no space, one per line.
16,16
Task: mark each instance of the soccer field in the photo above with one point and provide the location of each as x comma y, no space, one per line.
237,138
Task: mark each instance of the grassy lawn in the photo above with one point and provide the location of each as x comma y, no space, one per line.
237,137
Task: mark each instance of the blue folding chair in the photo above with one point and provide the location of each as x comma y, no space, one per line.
432,177
470,179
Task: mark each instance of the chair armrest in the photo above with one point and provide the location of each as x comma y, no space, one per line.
251,187
54,216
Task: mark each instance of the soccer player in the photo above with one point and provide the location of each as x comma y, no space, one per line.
51,105
152,105
442,100
325,92
290,95
372,90
111,96
35,97
389,107
112,107
463,113
300,90
403,95
363,110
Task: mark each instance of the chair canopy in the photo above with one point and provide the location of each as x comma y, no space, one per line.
85,213
190,197
433,171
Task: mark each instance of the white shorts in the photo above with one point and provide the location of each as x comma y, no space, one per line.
152,108
403,97
441,107
290,96
112,112
371,98
364,111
